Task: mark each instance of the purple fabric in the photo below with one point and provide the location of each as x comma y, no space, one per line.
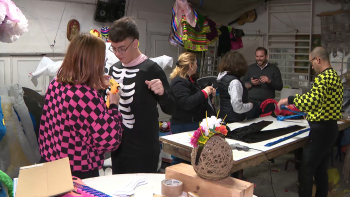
213,31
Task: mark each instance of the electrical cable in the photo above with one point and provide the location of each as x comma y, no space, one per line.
273,190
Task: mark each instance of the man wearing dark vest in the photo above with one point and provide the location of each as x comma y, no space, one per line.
262,80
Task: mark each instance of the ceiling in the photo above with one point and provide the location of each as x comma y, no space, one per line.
225,11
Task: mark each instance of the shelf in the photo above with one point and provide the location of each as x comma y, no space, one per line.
288,4
298,67
296,80
289,11
289,40
289,53
288,47
304,74
287,34
289,60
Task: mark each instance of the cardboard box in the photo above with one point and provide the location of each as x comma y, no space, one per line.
47,179
228,187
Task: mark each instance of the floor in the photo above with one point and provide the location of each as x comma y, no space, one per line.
284,182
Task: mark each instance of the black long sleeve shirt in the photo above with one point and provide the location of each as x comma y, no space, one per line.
264,91
138,107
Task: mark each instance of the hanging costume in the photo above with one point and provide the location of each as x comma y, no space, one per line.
139,150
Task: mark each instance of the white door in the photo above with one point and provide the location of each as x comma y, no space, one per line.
22,66
158,45
5,71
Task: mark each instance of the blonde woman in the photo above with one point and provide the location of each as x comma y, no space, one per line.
192,103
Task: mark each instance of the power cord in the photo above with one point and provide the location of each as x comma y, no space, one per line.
246,148
273,190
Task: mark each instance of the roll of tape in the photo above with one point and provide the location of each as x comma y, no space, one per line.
172,187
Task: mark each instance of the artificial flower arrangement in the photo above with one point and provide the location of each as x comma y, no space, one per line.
207,128
164,126
211,156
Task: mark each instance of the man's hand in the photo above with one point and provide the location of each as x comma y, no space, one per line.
265,79
156,86
282,102
254,81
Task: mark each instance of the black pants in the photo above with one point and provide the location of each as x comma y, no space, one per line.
315,159
81,175
126,165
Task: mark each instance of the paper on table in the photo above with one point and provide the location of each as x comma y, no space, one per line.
129,188
340,122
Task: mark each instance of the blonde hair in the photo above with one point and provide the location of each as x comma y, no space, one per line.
183,65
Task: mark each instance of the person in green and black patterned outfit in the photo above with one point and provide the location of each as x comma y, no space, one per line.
323,104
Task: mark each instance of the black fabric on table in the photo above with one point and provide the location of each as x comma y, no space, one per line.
238,133
253,134
269,134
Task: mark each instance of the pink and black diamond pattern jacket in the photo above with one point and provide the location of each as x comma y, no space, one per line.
77,124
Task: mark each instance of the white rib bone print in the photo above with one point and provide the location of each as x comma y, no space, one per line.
127,93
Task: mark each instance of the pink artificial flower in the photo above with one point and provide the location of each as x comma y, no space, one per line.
195,137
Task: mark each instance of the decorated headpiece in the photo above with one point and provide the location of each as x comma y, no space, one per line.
95,32
105,31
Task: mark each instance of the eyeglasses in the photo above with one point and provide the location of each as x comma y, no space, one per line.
310,61
119,50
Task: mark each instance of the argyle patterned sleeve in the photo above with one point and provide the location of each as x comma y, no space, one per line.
312,100
76,123
325,99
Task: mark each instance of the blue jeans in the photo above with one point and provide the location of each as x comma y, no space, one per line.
179,128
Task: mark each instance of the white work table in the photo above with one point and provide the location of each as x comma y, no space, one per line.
110,184
179,144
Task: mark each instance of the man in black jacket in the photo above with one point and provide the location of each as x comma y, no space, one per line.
262,80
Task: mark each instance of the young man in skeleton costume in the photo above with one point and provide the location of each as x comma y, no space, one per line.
143,84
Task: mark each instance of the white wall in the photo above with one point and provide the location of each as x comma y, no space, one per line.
300,20
44,19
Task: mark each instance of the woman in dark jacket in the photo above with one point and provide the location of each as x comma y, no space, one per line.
192,103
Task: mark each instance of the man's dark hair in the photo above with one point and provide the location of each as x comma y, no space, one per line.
122,29
261,49
234,63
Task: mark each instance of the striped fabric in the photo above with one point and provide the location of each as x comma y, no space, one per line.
193,40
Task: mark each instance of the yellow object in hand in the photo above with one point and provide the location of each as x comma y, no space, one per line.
114,89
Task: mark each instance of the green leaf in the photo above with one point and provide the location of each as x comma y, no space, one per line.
202,140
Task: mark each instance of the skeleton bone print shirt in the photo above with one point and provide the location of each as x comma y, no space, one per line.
138,107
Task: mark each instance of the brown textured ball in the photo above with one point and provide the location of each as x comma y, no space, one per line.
215,161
